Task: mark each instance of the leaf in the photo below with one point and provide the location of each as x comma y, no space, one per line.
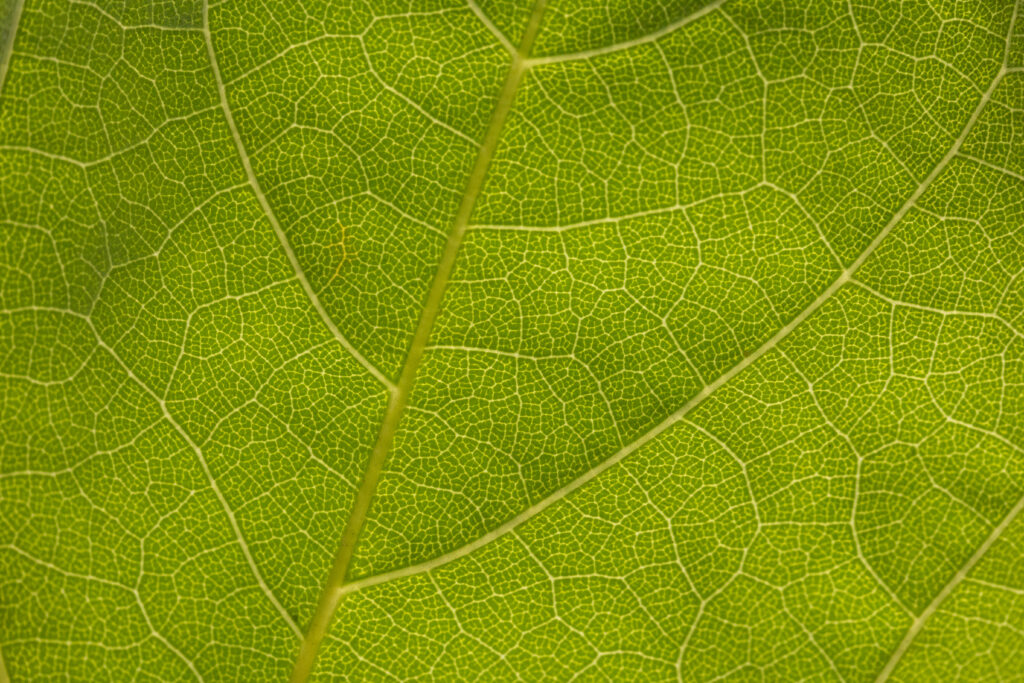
500,340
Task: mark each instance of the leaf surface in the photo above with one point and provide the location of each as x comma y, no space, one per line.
509,340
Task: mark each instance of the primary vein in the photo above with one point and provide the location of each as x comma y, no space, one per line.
7,42
332,594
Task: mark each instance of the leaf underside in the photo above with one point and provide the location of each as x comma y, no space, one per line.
512,340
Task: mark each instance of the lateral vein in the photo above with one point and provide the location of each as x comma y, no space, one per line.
933,606
844,277
272,217
633,42
919,623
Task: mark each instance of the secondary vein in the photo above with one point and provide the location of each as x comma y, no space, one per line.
272,217
933,606
844,277
332,594
632,42
919,623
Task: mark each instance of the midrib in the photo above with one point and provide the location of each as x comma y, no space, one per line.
332,595
8,30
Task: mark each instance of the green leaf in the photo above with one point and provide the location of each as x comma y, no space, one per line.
502,339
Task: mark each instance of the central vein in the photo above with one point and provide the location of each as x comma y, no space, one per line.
332,595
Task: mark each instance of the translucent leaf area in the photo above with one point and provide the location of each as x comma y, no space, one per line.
597,340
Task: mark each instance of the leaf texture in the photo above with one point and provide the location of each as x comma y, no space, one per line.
512,340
